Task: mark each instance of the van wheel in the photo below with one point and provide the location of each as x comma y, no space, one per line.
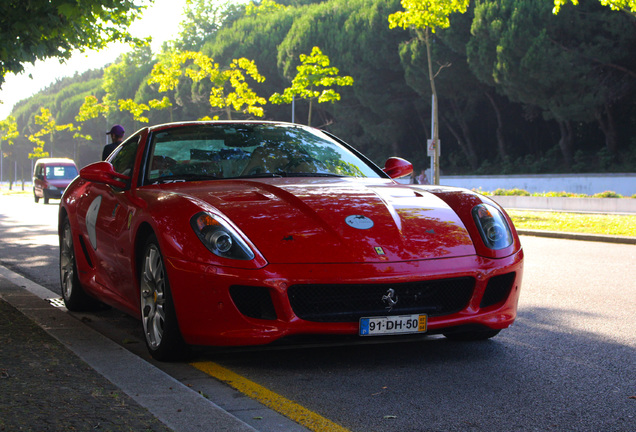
46,198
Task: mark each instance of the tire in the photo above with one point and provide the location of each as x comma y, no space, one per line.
476,335
158,315
46,197
75,298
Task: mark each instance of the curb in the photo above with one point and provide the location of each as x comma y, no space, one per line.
174,404
578,236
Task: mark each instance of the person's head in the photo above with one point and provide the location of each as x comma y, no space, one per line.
116,133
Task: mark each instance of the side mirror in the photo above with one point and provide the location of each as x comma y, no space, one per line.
397,167
103,172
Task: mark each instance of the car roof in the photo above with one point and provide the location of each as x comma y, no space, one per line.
223,122
49,161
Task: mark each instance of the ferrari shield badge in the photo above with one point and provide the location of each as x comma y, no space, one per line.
359,222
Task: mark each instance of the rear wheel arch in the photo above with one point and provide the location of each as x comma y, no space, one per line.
143,233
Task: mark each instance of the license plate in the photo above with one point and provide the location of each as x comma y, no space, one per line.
400,324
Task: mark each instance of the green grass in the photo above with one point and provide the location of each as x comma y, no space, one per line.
586,223
521,192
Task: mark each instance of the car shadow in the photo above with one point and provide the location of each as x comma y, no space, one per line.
544,373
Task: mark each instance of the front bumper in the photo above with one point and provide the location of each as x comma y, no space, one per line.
209,315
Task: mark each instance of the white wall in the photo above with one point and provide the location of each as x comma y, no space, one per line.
589,184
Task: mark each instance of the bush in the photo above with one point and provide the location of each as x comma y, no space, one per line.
607,194
521,192
511,192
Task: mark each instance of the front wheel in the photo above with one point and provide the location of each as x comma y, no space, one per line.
159,318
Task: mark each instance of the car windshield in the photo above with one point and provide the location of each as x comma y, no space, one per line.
223,151
61,172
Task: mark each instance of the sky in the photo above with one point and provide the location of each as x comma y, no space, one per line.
161,21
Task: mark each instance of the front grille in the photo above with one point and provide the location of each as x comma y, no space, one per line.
349,303
497,290
254,302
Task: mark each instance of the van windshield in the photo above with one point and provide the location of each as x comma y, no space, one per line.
62,172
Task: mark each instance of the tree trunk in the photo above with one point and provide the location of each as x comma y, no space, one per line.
435,131
608,126
311,105
471,156
565,143
470,146
501,143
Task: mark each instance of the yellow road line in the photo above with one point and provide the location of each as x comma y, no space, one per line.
284,406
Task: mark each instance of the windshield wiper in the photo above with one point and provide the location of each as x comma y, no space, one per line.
186,177
305,174
259,175
287,174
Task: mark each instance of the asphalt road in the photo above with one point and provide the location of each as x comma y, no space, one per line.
568,363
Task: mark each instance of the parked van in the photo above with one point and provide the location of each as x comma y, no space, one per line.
51,176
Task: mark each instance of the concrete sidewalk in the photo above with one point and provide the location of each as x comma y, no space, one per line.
58,374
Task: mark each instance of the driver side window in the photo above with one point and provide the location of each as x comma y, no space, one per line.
123,160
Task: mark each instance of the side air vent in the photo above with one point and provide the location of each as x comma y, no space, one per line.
498,289
254,302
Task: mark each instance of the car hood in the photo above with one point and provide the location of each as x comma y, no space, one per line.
337,220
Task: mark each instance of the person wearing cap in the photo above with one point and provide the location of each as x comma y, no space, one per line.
116,134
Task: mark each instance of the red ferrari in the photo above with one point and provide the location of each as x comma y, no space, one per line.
243,233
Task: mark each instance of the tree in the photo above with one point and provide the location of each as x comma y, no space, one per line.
627,6
203,18
138,109
423,16
256,37
265,7
49,127
40,29
574,67
199,67
313,72
8,131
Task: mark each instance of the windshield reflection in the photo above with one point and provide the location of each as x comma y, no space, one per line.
222,151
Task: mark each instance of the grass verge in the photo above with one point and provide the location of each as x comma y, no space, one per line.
586,223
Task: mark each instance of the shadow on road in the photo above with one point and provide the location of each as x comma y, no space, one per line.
541,374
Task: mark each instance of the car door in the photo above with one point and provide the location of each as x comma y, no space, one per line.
108,215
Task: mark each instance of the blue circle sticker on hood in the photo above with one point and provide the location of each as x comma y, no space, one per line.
359,222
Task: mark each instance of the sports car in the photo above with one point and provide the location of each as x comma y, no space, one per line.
248,233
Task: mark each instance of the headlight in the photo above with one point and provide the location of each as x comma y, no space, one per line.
492,226
220,238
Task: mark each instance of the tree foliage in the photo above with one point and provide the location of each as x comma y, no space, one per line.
39,29
628,6
228,87
314,81
8,130
520,89
431,14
